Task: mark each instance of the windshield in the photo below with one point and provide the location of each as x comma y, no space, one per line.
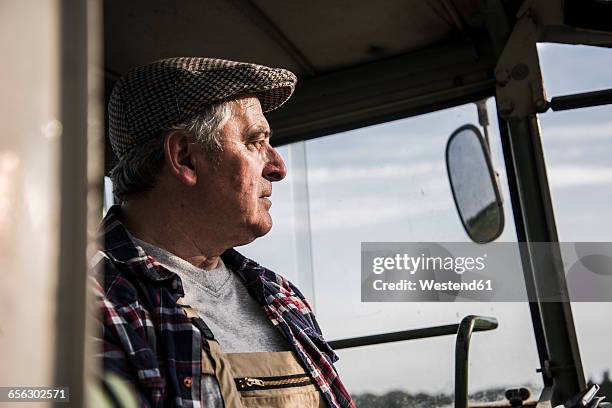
389,183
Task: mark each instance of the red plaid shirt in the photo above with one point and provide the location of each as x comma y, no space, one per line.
147,339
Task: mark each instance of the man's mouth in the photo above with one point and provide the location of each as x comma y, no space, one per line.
266,200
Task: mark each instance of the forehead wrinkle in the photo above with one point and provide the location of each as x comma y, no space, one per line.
246,101
248,121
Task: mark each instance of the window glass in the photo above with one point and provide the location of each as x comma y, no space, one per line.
389,183
577,148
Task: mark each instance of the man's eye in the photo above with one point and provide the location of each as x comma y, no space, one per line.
258,143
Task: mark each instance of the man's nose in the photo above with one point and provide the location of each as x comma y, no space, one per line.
275,169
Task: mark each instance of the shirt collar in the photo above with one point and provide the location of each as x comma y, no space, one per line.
120,247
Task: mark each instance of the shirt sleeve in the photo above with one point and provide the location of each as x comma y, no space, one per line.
125,348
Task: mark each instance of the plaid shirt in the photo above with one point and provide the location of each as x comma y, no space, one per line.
148,340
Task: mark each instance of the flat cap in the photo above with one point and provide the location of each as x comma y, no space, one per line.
155,97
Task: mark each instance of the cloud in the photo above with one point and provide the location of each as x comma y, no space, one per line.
328,214
374,171
568,176
579,133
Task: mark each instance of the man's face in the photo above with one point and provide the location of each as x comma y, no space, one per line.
237,189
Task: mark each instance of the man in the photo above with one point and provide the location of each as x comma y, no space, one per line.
185,318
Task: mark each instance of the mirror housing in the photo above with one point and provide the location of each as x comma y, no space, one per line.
474,186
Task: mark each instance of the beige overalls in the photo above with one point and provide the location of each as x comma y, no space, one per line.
257,380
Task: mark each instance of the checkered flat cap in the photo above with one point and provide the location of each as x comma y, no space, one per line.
154,97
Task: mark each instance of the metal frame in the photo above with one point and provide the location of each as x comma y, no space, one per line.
413,334
81,187
463,330
581,100
536,318
499,30
561,365
521,96
468,325
71,286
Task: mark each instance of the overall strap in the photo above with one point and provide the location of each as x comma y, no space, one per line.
214,361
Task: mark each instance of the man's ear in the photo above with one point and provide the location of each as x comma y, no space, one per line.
178,152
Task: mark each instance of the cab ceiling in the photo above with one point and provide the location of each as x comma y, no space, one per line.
312,38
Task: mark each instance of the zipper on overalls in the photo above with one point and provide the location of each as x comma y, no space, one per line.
266,383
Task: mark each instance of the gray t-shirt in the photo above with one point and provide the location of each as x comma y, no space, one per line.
223,302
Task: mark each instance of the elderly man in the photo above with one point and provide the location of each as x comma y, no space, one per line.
185,318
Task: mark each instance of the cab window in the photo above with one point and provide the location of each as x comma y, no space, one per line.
388,182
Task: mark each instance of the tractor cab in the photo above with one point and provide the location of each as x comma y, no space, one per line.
450,125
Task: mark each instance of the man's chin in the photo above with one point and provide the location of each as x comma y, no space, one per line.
262,229
256,231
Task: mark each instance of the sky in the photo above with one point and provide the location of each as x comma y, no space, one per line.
388,182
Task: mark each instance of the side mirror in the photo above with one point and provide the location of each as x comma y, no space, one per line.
473,183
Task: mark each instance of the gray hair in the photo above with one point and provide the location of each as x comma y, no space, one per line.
138,169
